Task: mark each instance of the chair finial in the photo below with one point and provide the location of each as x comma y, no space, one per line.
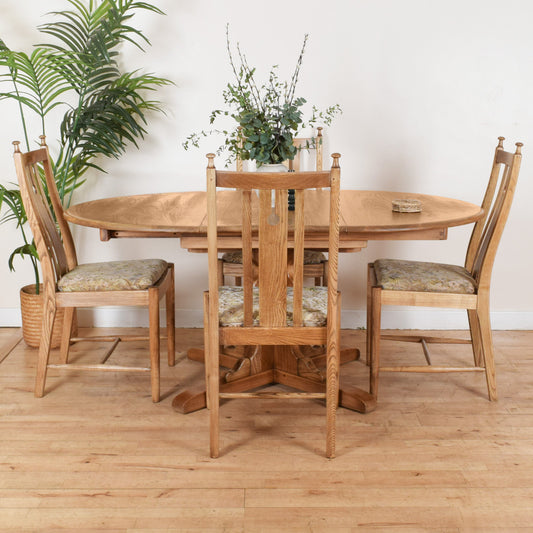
319,129
43,140
500,142
16,144
336,157
519,148
211,158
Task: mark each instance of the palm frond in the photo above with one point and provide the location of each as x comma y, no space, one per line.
93,33
27,249
104,109
37,82
13,200
111,117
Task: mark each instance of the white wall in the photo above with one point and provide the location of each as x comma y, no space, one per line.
426,88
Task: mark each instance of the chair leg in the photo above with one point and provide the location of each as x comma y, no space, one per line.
68,320
214,401
375,333
370,283
171,319
220,272
475,335
368,313
485,331
206,348
49,314
212,374
153,311
332,386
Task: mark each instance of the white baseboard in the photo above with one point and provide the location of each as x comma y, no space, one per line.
10,317
426,318
398,318
113,317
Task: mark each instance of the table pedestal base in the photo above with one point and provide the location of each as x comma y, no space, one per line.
298,367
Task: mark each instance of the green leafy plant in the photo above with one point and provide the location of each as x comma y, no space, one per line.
267,116
16,213
78,71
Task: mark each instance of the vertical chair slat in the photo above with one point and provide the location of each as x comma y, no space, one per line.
298,256
248,280
272,258
486,205
485,257
66,235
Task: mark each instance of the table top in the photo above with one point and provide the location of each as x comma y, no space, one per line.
363,213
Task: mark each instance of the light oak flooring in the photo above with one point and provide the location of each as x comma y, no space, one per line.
95,454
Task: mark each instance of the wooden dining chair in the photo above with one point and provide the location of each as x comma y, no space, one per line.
413,283
315,261
272,313
69,285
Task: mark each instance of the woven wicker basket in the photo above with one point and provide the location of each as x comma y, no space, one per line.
31,308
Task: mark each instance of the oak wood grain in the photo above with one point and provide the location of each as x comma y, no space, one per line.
479,260
274,340
366,214
98,453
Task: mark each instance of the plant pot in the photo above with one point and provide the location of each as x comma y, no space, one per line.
31,308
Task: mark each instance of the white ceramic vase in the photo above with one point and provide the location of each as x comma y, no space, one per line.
272,167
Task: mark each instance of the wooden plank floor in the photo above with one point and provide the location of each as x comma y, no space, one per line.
96,455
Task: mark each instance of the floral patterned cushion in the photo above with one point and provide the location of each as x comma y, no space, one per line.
398,275
311,257
113,276
314,311
233,257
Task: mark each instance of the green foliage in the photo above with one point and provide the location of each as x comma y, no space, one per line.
267,116
15,212
78,71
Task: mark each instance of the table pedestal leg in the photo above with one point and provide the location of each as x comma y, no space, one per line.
299,367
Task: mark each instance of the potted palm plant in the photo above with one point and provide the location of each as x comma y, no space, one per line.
267,116
105,109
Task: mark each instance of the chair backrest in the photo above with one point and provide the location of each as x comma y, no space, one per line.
487,231
308,143
279,234
51,233
301,143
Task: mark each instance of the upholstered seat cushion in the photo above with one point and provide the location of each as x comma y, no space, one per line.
113,276
314,311
398,275
311,257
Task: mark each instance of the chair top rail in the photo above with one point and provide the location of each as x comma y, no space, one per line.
273,180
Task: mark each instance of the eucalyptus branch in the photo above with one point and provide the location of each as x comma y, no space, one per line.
250,79
294,79
267,117
231,62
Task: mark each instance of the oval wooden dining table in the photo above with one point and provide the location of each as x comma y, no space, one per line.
365,215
